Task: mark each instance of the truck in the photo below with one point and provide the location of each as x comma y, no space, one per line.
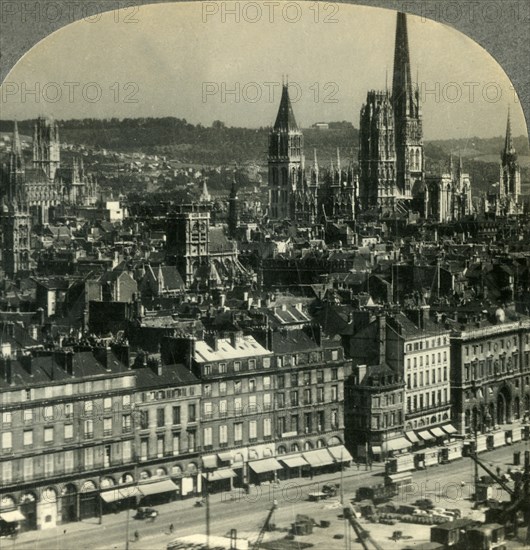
377,493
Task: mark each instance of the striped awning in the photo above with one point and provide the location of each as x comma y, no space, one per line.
412,437
157,487
294,461
318,457
437,432
12,516
426,435
112,495
340,453
217,475
397,444
265,465
449,429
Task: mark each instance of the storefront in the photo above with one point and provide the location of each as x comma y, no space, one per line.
9,522
320,460
426,436
157,492
438,434
263,470
294,466
219,480
342,456
88,500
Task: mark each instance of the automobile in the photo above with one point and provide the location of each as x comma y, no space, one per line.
146,513
330,489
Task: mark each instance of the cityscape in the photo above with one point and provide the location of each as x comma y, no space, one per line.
288,352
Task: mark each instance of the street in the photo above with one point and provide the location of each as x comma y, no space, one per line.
448,485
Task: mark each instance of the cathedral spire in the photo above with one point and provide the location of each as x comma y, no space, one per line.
285,119
509,149
402,80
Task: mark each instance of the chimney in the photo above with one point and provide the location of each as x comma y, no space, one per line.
381,338
361,373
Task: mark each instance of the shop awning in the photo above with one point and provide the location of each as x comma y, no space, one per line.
294,461
426,436
119,493
397,444
437,432
449,429
225,457
209,461
376,449
318,457
412,437
265,465
402,476
12,516
217,475
157,487
340,453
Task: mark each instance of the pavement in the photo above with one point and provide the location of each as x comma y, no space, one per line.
448,485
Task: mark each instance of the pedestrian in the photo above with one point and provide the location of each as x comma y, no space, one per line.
136,536
171,528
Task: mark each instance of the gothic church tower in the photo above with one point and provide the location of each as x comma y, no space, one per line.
285,161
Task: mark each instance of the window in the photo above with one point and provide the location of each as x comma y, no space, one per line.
266,362
252,404
222,368
89,457
144,447
321,419
307,396
281,381
280,400
89,406
222,388
69,461
68,410
308,421
207,370
6,418
267,427
207,437
223,434
334,373
251,364
334,419
320,376
89,429
238,432
176,415
48,435
237,386
252,385
6,471
253,429
237,406
191,441
28,437
237,366
160,446
160,417
334,355
126,401
266,382
320,395
176,444
334,393
48,465
127,451
207,409
107,426
107,403
28,468
307,378
281,425
294,380
192,413
28,416
222,407
294,423
267,401
68,431
207,390
294,398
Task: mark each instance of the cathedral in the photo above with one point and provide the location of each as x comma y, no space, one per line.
45,185
391,161
390,178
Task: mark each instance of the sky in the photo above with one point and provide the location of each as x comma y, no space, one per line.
202,63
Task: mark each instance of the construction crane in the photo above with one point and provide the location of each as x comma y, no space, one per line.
520,495
363,535
265,526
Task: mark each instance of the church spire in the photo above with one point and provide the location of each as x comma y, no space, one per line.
402,80
338,159
285,119
509,153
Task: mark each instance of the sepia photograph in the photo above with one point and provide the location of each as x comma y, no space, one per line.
264,276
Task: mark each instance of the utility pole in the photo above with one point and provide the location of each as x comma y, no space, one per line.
475,452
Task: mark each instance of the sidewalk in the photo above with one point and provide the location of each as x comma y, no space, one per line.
92,527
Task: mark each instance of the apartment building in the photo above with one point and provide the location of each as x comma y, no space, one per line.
66,434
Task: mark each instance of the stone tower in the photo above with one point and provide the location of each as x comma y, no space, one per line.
377,154
285,161
46,147
407,116
15,220
510,173
233,210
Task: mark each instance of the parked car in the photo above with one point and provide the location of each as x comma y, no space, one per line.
331,489
146,513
